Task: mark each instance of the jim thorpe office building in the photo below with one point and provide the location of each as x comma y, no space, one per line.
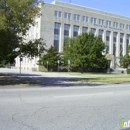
60,20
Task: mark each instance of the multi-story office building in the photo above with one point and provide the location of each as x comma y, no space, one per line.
61,20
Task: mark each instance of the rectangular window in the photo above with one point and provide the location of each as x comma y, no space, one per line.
93,30
58,14
93,20
84,29
114,37
76,17
121,37
108,23
67,15
101,21
56,35
122,26
66,30
115,24
100,33
114,42
107,41
85,19
128,27
75,31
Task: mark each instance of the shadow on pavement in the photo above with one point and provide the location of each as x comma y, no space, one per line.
44,81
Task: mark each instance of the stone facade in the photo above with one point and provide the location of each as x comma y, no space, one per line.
114,29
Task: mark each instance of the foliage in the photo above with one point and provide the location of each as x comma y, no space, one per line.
125,61
85,51
16,17
52,56
32,48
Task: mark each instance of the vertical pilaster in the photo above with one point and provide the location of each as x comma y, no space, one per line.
111,43
118,45
71,31
61,41
80,30
124,45
96,32
104,36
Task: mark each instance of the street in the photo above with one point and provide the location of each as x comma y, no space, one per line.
64,108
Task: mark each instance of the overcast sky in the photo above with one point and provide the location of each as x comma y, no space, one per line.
121,7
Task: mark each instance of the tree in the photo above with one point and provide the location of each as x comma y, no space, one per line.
52,56
16,17
125,61
85,51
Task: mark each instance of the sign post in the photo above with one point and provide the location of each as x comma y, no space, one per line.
68,65
58,64
47,65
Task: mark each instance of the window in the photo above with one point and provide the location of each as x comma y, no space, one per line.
122,26
121,37
108,36
128,27
75,31
66,27
67,15
100,33
101,21
93,30
57,26
84,29
76,17
108,23
66,30
107,41
56,35
114,42
115,24
58,14
114,37
85,19
93,20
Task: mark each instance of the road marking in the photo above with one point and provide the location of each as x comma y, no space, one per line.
85,95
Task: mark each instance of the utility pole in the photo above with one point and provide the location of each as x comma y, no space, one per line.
70,1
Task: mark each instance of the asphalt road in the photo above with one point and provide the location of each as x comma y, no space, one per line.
64,108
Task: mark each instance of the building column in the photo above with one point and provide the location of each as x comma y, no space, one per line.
104,38
89,30
71,31
80,30
124,45
118,45
96,32
61,38
111,43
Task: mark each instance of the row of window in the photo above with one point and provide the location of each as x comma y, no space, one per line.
93,30
93,20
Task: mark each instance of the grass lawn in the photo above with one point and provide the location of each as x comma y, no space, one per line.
99,77
103,78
